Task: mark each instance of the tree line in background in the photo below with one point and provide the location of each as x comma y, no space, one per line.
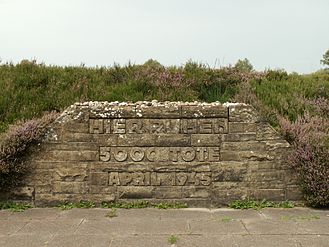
297,105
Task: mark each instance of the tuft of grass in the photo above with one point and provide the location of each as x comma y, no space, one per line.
14,206
112,213
248,204
173,239
227,219
143,204
301,218
126,205
71,205
166,205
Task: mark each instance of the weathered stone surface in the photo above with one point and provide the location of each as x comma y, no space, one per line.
199,153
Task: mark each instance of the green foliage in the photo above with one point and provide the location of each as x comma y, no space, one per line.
14,206
248,203
280,94
165,205
325,58
13,146
28,89
300,218
81,204
309,135
227,219
143,204
244,65
112,213
173,239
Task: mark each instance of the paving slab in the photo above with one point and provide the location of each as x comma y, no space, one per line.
83,213
81,241
249,214
29,240
37,214
51,227
313,240
109,226
142,241
8,227
4,214
44,227
218,227
237,241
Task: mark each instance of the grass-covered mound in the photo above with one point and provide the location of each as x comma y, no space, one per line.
297,105
28,89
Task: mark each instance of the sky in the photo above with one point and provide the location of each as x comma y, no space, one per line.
277,34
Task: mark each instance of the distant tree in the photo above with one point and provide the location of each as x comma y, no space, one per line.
325,60
244,65
153,63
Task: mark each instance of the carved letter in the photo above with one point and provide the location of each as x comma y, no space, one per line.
155,181
189,126
188,154
137,154
138,178
120,155
173,154
203,178
125,178
119,126
150,154
205,126
114,178
134,126
214,154
202,152
96,126
181,178
104,154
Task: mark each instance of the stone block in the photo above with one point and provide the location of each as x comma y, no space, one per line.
99,178
246,155
195,192
131,140
267,132
243,146
105,110
167,192
240,127
155,109
133,192
243,113
204,140
294,193
239,137
172,140
70,187
204,111
268,194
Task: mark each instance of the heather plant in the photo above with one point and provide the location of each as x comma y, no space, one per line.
309,135
29,88
13,146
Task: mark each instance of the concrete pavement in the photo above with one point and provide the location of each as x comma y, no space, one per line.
52,227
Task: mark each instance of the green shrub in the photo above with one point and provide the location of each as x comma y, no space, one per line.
309,135
13,146
28,89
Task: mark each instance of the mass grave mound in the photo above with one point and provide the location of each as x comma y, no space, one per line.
204,154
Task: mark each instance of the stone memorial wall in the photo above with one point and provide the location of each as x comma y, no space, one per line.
205,154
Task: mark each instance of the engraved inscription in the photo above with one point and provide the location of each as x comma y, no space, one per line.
162,154
159,178
158,126
204,126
